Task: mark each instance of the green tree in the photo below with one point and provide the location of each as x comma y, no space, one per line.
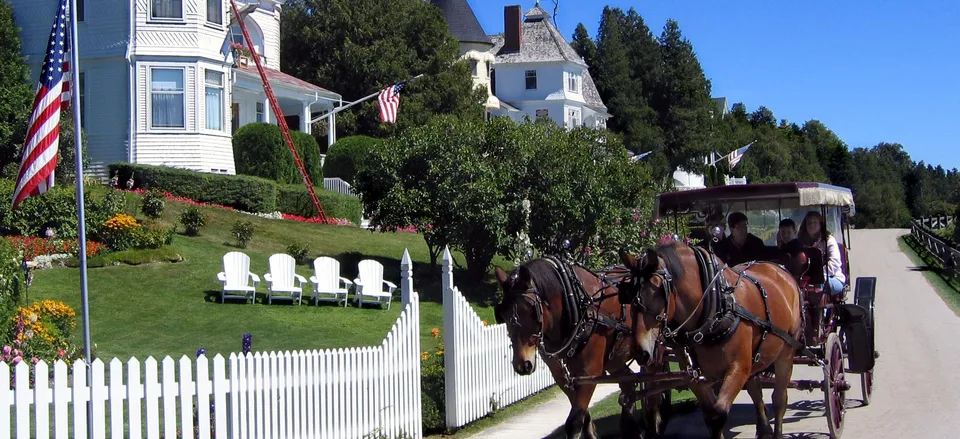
16,91
358,47
583,45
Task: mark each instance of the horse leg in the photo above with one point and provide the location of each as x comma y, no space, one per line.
733,382
579,421
783,368
755,389
628,399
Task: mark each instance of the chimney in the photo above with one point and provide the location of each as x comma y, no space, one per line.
512,35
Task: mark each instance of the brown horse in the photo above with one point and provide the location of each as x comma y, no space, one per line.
721,317
546,304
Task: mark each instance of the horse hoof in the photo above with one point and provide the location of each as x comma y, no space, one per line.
765,433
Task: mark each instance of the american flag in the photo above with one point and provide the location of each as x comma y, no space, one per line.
43,131
389,102
737,154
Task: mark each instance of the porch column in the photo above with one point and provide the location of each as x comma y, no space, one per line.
305,118
331,130
266,109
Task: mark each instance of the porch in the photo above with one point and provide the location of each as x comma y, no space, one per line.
298,99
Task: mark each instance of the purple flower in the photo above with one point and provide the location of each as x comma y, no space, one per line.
247,342
201,351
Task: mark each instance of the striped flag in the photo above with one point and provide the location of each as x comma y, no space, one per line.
737,154
389,102
640,156
43,131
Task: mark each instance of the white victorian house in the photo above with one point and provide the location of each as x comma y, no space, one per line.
159,83
536,73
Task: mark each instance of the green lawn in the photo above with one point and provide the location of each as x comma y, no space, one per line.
173,308
948,288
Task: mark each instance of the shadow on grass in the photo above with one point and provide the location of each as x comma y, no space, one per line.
608,426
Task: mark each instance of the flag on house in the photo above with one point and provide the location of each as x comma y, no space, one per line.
43,130
389,102
737,154
640,156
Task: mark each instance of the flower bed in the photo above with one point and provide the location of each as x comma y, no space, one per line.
31,246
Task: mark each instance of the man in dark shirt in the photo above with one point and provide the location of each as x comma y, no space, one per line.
740,246
787,240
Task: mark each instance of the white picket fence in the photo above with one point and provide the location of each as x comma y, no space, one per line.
339,186
477,360
343,393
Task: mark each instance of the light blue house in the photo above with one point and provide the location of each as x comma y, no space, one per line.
159,83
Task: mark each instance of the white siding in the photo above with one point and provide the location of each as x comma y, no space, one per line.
511,81
199,152
103,33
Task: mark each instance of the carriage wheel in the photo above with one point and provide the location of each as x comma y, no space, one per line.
834,385
866,386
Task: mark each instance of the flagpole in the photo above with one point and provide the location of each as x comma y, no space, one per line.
81,221
339,109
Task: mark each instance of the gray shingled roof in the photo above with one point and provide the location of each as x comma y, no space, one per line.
542,42
462,21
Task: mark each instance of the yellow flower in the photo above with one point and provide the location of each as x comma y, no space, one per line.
425,356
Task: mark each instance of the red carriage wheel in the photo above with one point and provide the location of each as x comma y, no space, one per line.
834,385
866,386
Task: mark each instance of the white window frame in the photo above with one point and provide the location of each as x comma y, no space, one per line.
574,114
527,76
150,70
475,68
260,111
222,88
573,82
151,17
216,24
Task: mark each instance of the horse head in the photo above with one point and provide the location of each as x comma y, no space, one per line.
526,311
648,289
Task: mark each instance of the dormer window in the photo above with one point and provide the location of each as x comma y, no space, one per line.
166,9
531,78
573,82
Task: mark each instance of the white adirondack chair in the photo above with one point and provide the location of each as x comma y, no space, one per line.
370,284
327,281
236,276
280,279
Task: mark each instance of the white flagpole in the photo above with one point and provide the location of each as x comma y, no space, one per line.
81,223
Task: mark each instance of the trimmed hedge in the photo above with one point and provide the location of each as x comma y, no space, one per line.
250,194
344,156
259,150
294,199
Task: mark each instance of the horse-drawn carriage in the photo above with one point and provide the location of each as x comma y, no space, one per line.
727,328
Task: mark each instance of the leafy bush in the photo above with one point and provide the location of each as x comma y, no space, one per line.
294,199
433,393
12,281
153,204
260,150
193,220
121,232
153,236
242,192
300,252
345,156
243,230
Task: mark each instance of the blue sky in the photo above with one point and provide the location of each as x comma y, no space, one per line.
877,71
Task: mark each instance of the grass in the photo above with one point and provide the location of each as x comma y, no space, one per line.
946,286
159,309
503,415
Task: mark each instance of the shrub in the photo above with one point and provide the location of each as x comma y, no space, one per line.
300,252
41,331
346,155
153,236
243,230
12,281
153,204
242,192
260,150
120,232
294,199
193,220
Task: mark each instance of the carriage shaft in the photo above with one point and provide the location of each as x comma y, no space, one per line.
639,377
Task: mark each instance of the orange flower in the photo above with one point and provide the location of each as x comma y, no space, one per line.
435,332
484,322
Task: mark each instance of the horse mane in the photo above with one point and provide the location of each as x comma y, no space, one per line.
674,263
544,275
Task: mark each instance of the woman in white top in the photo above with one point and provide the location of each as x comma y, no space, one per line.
814,233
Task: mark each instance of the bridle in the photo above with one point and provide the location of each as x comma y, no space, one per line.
538,307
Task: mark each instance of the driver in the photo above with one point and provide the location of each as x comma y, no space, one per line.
740,246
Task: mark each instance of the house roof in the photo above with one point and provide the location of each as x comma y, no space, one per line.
462,21
283,78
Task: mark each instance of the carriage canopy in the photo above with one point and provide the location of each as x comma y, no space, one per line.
772,196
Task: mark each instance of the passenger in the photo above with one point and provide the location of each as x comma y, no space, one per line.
740,246
814,233
787,241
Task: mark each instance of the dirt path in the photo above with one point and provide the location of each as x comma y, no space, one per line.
917,387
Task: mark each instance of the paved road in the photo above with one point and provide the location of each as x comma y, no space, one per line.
917,387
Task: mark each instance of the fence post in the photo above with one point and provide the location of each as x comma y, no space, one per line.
406,278
449,339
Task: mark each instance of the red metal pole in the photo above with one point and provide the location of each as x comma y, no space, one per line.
278,113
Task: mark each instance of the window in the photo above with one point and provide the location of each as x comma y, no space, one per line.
531,77
573,83
236,36
542,113
215,11
167,98
493,81
167,9
473,68
82,88
259,111
573,117
80,11
213,105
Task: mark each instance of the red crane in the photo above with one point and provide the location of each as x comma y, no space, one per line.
278,113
